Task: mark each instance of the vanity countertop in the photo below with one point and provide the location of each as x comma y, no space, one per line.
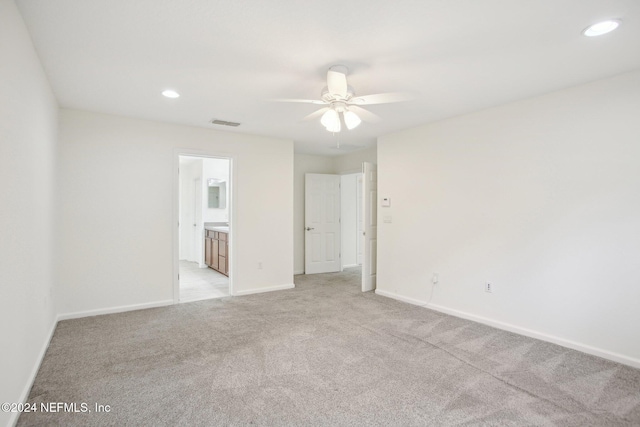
219,228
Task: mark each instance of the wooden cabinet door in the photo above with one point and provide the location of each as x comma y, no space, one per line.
222,248
216,247
222,265
208,248
226,258
214,254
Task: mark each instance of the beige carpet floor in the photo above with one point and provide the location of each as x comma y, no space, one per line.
322,354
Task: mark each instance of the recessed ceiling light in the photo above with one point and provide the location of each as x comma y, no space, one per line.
170,93
601,28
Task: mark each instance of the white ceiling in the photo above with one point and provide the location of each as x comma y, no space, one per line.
228,59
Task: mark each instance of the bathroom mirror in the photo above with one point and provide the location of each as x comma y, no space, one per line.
217,194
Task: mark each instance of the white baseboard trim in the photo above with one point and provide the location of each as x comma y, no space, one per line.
295,272
13,419
399,297
261,290
350,266
112,310
605,354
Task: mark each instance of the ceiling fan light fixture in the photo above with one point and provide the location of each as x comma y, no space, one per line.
341,106
351,120
331,120
601,28
334,128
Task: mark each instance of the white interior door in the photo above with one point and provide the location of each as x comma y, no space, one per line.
369,205
322,223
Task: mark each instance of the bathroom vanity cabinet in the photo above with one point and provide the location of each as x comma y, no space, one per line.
216,250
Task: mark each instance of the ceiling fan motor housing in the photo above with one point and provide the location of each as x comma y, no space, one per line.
329,97
341,107
342,69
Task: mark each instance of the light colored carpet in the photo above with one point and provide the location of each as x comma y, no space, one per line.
321,354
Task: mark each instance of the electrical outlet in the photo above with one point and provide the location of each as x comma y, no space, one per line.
488,287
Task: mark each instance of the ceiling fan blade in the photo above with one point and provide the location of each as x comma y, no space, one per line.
365,115
381,98
303,101
316,114
337,81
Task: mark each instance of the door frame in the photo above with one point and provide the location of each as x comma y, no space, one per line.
197,218
370,213
175,200
360,218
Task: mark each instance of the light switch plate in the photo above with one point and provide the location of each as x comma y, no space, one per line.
386,202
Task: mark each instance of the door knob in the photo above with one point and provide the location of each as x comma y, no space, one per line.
310,228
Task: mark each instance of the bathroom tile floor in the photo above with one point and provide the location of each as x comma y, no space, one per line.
201,283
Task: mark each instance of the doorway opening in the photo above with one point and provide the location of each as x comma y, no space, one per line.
204,191
341,223
351,220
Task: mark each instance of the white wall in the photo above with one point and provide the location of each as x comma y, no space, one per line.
352,162
114,171
28,128
541,197
190,171
217,169
349,219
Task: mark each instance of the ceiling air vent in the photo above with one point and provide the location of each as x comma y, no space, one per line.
224,123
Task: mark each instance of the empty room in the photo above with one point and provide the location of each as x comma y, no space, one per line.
410,213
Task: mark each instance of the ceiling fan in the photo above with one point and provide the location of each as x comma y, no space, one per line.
342,106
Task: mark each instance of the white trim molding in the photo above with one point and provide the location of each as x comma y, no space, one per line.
111,310
605,354
399,297
261,290
24,396
350,266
